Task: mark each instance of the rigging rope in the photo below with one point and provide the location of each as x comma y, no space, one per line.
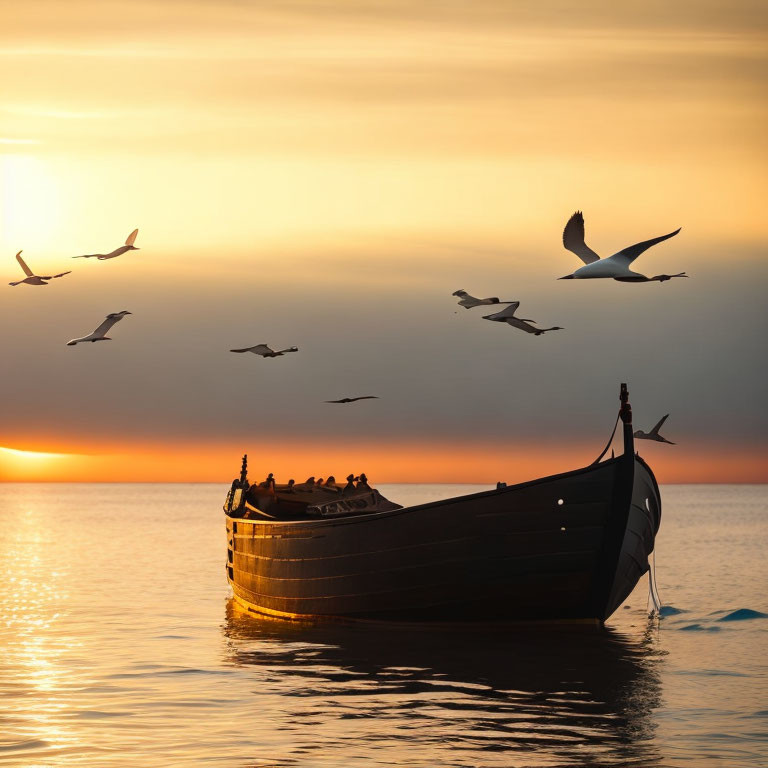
608,444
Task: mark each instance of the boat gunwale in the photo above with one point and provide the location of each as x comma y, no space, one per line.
349,519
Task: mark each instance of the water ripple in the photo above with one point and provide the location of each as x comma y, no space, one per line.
744,614
120,648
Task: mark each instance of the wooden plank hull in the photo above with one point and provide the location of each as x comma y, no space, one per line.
566,547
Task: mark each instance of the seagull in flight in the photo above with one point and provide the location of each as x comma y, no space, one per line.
33,279
265,351
99,333
654,433
616,266
469,302
353,399
507,315
129,246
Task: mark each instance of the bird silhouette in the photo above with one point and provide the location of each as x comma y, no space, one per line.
99,333
654,433
507,315
469,302
353,399
265,351
33,279
129,246
616,266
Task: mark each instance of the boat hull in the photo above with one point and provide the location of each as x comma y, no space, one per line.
567,547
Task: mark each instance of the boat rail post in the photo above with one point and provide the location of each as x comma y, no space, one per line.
236,496
625,414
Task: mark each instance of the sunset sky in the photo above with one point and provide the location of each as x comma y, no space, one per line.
325,174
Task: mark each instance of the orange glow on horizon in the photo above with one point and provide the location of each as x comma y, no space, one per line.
383,463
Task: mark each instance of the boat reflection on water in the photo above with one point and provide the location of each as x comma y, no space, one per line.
534,697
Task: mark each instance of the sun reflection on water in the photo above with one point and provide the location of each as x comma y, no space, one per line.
34,652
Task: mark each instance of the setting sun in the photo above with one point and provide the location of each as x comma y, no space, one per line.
31,202
27,465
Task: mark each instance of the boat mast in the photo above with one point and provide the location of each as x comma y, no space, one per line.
625,414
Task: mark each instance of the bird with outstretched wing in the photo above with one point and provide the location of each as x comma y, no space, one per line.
353,399
31,278
616,266
654,433
266,351
100,334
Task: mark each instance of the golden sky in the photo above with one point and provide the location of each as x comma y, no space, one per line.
325,174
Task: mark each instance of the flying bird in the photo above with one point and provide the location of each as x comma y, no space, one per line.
654,433
265,351
129,246
616,266
507,315
468,302
33,279
99,333
353,399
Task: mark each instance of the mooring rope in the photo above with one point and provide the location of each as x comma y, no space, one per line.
652,586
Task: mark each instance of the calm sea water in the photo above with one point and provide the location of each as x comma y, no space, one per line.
119,646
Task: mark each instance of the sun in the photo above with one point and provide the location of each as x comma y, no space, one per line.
24,465
30,196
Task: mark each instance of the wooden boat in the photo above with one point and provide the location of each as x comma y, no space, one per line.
566,547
